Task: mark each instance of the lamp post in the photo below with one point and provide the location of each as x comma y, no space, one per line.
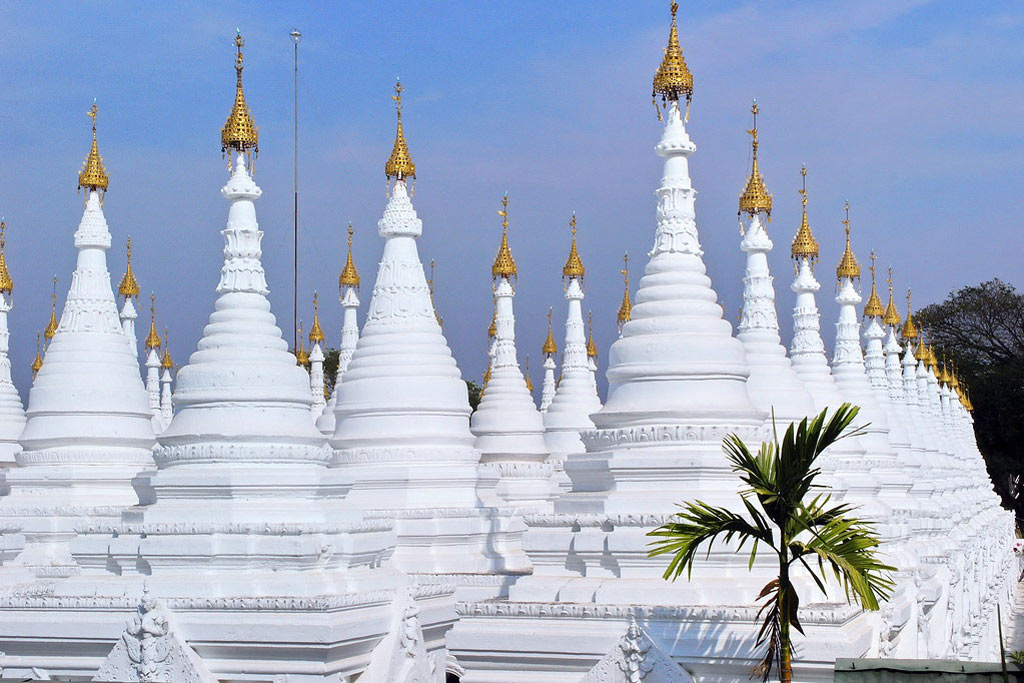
296,35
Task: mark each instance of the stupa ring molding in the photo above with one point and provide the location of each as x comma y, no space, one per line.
242,452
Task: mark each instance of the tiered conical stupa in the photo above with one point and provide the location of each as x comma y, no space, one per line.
128,289
12,413
348,288
88,431
550,350
403,418
509,430
316,361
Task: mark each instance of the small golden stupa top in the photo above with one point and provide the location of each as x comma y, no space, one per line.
804,244
626,307
591,346
430,288
166,363
129,286
848,266
504,264
37,362
93,175
349,275
921,353
526,375
873,308
755,198
492,329
316,333
944,376
573,265
51,327
239,132
909,330
549,348
6,283
673,78
399,165
301,356
954,381
892,316
933,359
152,339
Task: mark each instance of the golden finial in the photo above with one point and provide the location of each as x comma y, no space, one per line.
316,333
6,283
873,308
349,275
848,266
166,363
921,353
755,197
129,286
37,362
954,381
492,329
93,175
430,288
504,264
804,244
591,346
239,132
673,79
933,359
526,375
51,327
944,376
573,265
892,316
399,165
487,377
909,328
626,307
301,356
549,348
152,339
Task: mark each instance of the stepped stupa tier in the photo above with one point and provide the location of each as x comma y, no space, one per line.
348,287
773,385
402,418
575,400
87,432
509,430
12,413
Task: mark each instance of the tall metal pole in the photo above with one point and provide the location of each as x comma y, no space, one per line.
296,35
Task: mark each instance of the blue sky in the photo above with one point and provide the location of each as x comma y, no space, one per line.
908,108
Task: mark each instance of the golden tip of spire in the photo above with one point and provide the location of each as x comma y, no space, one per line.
6,283
673,79
892,314
504,265
492,329
848,266
873,307
239,132
549,348
909,330
804,244
573,265
316,333
626,307
93,175
591,346
399,165
755,197
129,286
51,327
37,362
349,276
152,339
301,356
166,362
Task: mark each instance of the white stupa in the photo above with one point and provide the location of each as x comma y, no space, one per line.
550,350
88,431
128,290
12,413
152,346
402,418
348,288
316,362
509,430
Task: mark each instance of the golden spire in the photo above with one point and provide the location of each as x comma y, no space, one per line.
755,197
626,308
166,363
492,329
51,327
430,288
6,283
129,286
93,175
573,265
921,353
399,165
933,359
487,376
316,333
37,362
504,264
944,376
152,339
954,381
349,275
239,132
892,316
301,356
591,346
804,244
526,375
848,266
909,328
549,348
873,308
673,79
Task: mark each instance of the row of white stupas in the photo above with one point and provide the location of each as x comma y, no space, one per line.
395,537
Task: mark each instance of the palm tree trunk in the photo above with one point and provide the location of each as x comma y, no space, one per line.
785,654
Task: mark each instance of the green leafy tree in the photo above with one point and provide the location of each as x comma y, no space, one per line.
475,393
815,534
980,329
330,369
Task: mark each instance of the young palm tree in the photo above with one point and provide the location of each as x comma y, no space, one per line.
814,533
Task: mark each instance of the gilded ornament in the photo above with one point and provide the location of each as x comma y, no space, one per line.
526,375
673,78
349,275
166,363
909,330
504,265
591,346
239,132
316,333
873,308
804,244
549,348
51,327
626,307
892,316
129,286
37,362
6,283
399,165
848,266
93,175
152,339
573,265
755,197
